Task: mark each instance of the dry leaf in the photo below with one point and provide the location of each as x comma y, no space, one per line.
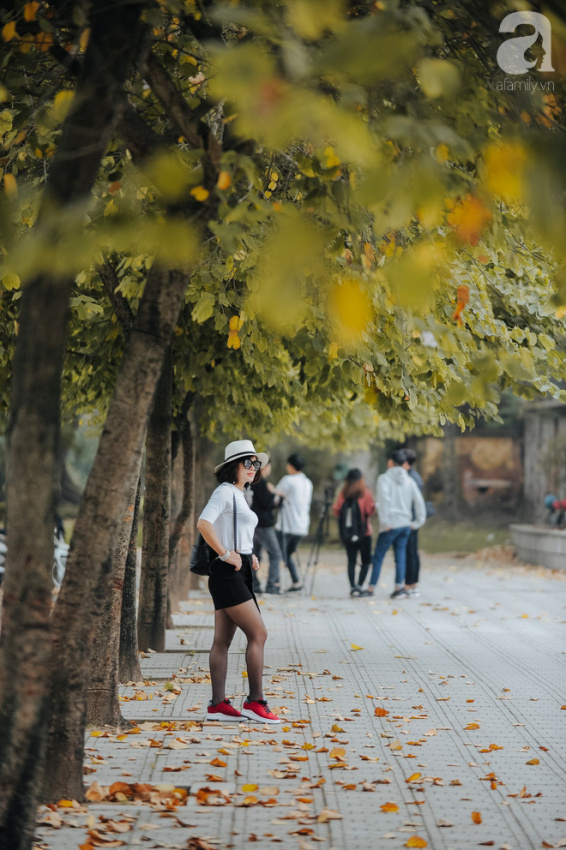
328,814
389,807
533,761
476,817
416,841
355,646
381,712
471,726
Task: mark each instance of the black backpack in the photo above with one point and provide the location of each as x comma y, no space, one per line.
350,521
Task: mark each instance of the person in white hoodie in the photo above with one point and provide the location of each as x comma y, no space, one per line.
294,514
401,509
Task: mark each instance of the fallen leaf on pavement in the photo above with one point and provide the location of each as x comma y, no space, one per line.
416,841
389,807
328,814
476,817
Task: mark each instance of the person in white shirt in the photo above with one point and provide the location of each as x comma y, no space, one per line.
401,508
294,514
227,524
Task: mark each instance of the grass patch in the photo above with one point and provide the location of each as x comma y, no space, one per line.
439,536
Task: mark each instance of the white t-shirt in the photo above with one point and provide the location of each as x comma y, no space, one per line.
294,514
220,512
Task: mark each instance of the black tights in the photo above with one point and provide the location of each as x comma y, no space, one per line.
363,546
245,616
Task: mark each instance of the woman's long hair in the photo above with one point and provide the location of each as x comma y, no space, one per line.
354,485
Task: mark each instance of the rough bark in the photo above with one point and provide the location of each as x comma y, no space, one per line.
129,661
103,706
33,430
152,610
104,502
450,488
180,539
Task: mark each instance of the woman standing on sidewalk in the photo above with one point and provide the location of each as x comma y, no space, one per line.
227,524
353,508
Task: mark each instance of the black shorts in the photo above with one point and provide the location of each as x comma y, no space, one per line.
229,586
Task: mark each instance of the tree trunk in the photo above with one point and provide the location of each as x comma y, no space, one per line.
129,663
450,483
104,502
152,611
179,570
33,430
103,706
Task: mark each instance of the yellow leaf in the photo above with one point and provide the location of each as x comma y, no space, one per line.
330,158
236,323
413,777
30,11
533,761
505,166
416,841
350,309
43,41
471,726
10,185
234,341
442,153
476,817
246,788
389,807
336,728
224,180
200,193
66,804
355,646
62,104
244,674
9,31
11,281
333,349
338,753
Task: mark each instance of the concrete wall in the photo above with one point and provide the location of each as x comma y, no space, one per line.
545,547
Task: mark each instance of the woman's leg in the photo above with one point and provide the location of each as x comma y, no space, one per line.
224,630
293,541
352,553
365,555
246,617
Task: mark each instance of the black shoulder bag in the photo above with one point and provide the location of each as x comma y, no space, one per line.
203,555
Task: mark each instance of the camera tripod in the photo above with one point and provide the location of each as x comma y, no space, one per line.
320,536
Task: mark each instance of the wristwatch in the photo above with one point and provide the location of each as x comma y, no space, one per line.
225,556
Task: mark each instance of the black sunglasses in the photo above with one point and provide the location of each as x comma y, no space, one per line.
248,463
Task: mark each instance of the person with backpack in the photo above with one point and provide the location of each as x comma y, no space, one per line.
401,508
353,509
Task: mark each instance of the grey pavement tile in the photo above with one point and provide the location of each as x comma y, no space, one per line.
471,676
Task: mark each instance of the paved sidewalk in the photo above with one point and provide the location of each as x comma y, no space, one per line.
467,747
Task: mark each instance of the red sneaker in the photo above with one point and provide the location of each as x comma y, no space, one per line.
223,711
259,711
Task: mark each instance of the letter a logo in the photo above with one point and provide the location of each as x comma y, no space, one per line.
511,54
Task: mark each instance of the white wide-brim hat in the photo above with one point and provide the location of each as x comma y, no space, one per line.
241,448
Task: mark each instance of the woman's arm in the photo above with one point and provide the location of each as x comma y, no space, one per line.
208,532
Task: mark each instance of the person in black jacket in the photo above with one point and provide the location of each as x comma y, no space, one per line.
265,500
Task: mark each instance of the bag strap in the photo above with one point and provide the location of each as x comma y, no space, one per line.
235,523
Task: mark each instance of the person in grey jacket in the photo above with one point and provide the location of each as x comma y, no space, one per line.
413,566
401,508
